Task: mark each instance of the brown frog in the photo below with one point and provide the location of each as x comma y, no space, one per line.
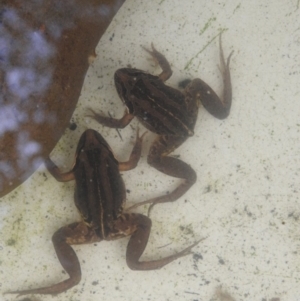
100,196
168,112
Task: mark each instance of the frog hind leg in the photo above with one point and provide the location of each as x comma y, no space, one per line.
159,159
219,107
141,227
76,233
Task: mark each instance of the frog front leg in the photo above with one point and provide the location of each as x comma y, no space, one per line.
140,226
76,233
135,154
56,173
111,122
162,62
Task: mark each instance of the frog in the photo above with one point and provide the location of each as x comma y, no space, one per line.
169,113
100,196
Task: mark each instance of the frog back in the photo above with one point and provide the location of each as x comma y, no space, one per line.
100,190
160,108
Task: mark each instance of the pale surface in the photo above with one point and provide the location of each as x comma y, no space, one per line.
245,200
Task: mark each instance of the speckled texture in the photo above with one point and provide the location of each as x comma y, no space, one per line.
245,201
